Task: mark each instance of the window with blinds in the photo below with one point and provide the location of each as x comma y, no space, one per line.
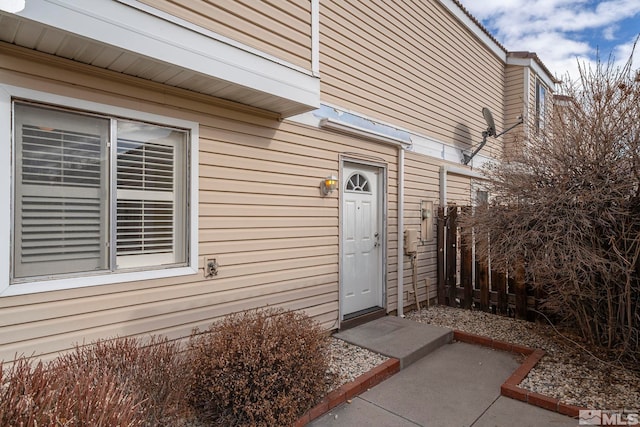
60,209
147,218
79,208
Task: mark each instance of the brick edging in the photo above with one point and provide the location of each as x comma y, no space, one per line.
510,387
350,390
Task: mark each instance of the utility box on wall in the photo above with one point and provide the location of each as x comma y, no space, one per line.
410,241
426,223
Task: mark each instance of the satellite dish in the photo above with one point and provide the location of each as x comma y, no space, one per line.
488,117
491,131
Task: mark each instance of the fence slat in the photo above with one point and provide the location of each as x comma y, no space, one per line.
466,270
482,279
499,281
520,290
508,293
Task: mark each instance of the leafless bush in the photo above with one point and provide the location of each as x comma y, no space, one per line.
150,372
32,395
119,382
568,206
258,368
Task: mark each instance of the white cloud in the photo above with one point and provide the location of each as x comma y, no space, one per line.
622,52
609,33
559,31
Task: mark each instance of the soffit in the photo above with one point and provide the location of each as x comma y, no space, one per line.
121,38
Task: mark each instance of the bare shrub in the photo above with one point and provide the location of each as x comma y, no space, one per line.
257,368
34,395
24,387
568,206
149,372
119,382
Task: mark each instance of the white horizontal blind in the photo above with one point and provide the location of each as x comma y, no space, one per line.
149,175
60,186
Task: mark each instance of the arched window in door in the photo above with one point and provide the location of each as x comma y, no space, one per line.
358,183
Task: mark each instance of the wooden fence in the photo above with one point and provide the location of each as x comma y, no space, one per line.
467,283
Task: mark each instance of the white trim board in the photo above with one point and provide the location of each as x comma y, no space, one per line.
475,29
532,64
385,133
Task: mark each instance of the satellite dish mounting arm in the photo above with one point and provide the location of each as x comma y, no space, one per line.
491,131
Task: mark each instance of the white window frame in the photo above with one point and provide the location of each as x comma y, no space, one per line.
541,105
7,94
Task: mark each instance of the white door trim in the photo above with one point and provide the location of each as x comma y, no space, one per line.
382,220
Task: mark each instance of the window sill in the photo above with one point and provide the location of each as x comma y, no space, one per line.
85,281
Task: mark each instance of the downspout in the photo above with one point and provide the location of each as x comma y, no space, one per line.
400,231
315,37
527,95
443,185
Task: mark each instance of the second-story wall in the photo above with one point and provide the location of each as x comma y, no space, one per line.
528,96
281,28
411,64
516,100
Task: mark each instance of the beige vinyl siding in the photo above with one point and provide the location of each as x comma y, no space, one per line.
421,178
260,215
281,28
422,183
515,100
458,190
413,65
515,103
410,63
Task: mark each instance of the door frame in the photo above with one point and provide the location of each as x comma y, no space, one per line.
382,220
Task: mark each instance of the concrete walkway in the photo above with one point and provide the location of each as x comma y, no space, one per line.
455,384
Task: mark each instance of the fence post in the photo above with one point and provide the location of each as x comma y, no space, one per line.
520,290
466,264
482,280
452,253
441,261
499,280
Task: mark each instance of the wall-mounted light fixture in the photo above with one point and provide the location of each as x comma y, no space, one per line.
328,185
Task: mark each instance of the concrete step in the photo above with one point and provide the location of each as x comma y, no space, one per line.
403,339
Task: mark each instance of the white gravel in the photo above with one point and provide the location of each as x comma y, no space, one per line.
349,361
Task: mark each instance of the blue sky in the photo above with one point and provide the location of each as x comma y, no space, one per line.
563,32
